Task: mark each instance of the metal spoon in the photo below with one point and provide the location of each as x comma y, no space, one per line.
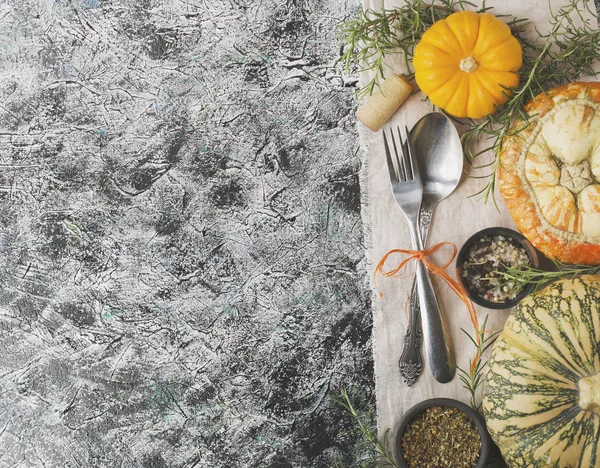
440,157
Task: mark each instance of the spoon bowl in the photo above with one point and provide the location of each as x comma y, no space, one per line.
440,156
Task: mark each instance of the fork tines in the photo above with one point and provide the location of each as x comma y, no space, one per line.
407,169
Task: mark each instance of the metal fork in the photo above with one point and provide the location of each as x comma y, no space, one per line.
408,192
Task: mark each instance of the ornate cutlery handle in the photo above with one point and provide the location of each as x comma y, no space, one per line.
424,223
410,363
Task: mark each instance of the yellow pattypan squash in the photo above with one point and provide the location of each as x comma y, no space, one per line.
464,63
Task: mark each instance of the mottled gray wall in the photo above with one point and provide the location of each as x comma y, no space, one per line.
181,257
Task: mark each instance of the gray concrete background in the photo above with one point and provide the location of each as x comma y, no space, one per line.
181,258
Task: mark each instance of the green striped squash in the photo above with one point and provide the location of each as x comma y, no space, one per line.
542,393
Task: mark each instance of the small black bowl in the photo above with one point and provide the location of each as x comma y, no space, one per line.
486,442
496,231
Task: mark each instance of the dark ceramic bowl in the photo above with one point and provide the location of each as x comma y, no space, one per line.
496,231
486,443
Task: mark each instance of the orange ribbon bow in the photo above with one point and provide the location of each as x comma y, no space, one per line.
435,270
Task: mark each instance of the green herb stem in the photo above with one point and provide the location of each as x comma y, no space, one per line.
372,35
379,454
473,377
531,275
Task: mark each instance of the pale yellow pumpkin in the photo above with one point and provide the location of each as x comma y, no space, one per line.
542,396
466,62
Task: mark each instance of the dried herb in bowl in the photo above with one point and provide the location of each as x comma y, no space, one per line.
488,256
441,437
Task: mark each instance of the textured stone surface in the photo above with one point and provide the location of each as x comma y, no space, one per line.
180,243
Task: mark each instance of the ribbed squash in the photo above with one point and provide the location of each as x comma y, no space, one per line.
549,174
542,393
464,63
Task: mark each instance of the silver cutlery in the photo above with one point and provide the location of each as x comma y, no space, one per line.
408,191
439,152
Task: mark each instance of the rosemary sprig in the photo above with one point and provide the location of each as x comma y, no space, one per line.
380,456
563,54
473,378
530,275
372,35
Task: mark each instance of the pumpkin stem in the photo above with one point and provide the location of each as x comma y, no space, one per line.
468,64
589,393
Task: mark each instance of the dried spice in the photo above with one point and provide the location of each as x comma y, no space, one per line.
486,260
441,437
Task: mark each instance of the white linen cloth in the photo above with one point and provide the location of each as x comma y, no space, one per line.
454,220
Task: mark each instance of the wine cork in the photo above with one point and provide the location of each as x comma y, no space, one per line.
382,104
